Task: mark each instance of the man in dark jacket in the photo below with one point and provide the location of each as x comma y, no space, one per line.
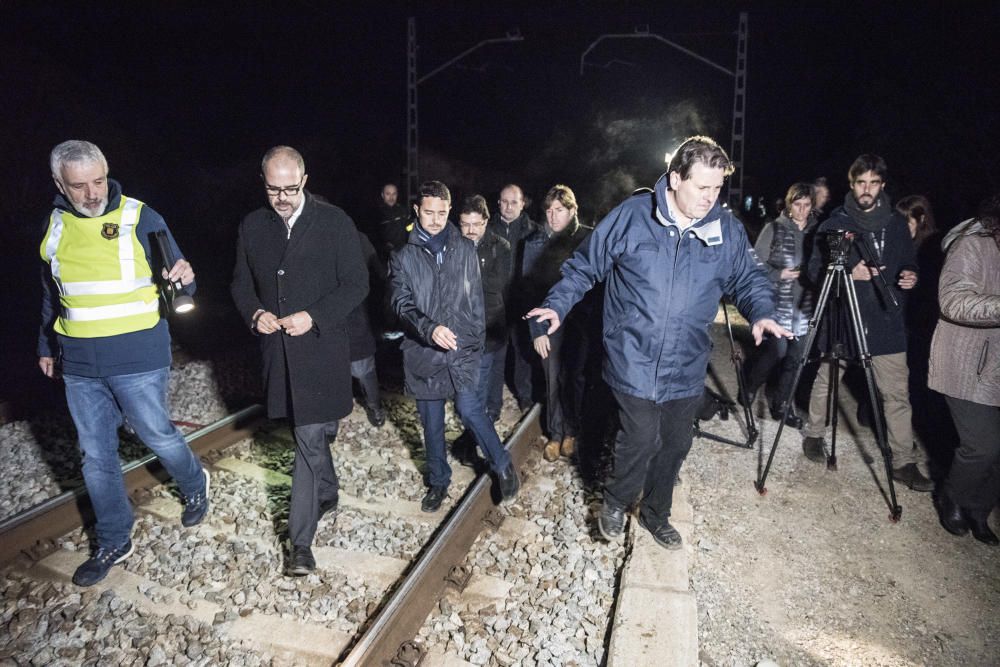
514,226
101,327
393,219
667,258
438,295
363,339
494,268
299,273
882,237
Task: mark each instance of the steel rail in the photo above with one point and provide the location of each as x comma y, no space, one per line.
403,614
71,509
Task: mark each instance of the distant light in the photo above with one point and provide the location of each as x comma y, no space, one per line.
667,157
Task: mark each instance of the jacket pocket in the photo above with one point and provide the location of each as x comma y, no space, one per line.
983,356
619,323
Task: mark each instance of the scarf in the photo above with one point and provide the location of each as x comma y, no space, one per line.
874,220
434,244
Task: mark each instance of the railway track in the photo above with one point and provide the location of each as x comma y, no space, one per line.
391,585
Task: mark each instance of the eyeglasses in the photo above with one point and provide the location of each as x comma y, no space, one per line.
472,225
289,191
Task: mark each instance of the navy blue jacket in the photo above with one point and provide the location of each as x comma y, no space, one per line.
662,292
426,294
135,352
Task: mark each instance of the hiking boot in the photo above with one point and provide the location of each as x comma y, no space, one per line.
196,505
552,449
568,446
97,566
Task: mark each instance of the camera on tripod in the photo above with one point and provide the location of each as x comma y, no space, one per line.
837,243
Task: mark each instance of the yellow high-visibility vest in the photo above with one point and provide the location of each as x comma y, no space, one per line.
99,266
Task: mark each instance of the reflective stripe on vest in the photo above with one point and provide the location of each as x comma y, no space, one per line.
123,299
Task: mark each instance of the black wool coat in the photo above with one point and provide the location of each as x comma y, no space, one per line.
319,269
425,295
494,268
360,320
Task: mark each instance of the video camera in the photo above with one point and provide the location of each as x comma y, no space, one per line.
837,243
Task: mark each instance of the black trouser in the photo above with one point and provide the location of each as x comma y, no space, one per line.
363,370
564,384
973,482
774,351
652,444
520,370
314,480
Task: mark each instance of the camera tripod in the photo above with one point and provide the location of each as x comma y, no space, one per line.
837,276
736,355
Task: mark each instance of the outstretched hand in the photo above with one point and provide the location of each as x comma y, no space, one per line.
545,315
767,325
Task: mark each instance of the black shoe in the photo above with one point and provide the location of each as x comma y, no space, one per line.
97,566
433,499
814,449
196,506
951,516
664,534
465,452
300,561
792,420
981,531
509,483
910,476
328,506
376,415
611,521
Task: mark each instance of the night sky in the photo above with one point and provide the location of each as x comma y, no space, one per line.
184,98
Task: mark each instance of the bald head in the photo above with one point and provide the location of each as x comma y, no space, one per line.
285,154
284,173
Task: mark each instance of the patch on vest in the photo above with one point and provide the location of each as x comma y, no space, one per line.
109,230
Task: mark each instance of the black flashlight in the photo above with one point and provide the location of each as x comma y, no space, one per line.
174,293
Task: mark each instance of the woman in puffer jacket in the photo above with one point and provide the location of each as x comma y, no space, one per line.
781,247
965,367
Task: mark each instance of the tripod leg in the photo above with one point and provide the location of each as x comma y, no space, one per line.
866,363
821,304
741,387
832,405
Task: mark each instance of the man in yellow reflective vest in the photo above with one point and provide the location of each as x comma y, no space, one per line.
101,327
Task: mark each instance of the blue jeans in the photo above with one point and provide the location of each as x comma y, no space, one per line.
490,390
470,409
97,406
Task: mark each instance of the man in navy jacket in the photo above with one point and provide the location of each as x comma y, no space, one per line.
667,258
